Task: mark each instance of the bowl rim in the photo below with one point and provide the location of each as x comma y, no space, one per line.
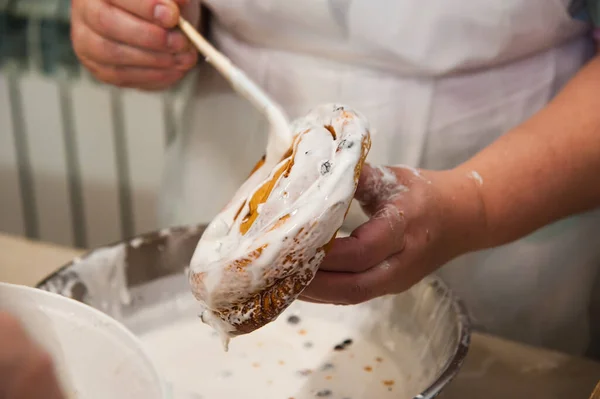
445,376
455,362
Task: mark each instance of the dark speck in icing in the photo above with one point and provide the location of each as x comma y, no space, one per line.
340,347
279,355
345,144
327,366
324,393
226,374
325,167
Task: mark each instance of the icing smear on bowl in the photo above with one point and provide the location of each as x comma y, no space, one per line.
264,248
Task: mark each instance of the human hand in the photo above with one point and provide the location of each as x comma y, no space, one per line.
132,43
26,371
419,220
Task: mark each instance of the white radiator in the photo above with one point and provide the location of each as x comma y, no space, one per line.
81,162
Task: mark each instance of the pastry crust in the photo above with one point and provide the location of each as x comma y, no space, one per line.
265,247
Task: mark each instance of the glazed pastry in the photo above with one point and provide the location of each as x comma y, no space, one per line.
265,247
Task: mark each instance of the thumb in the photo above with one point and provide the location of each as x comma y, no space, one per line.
377,186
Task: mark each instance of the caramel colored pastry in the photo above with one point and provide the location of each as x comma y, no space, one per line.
265,247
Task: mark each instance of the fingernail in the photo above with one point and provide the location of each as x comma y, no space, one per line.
176,41
164,15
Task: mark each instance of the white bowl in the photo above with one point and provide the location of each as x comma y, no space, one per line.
95,356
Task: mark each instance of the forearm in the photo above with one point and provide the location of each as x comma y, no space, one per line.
545,169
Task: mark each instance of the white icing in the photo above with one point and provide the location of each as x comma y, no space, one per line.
383,360
270,363
384,265
104,275
388,178
414,333
318,190
379,186
476,176
164,232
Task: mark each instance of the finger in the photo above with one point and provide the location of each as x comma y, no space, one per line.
120,26
11,330
377,185
163,12
105,51
304,298
394,275
369,244
37,378
11,356
348,288
133,76
23,362
308,299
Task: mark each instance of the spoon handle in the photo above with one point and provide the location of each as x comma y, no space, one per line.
242,84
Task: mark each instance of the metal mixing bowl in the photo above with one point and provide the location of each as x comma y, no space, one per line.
116,280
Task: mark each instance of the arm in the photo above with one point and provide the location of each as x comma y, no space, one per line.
543,170
547,168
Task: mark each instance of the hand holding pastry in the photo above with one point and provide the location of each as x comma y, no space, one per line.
419,220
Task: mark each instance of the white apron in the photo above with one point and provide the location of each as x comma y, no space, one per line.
439,80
